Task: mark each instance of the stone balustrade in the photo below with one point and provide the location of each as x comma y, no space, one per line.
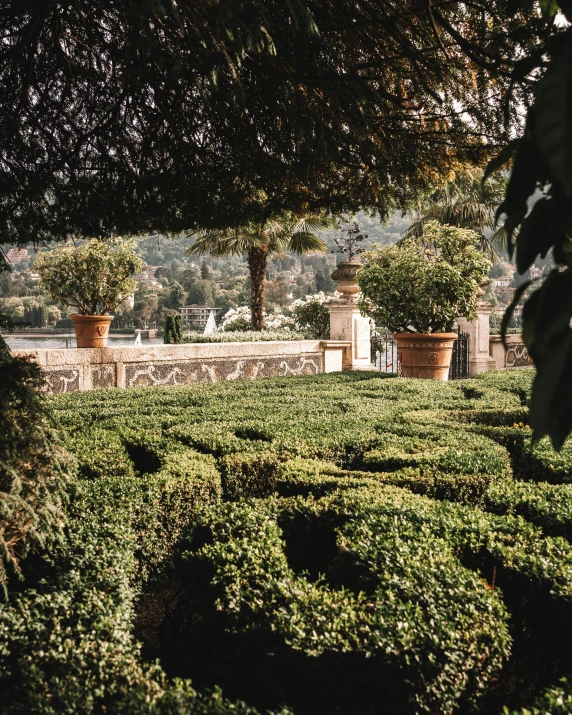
78,369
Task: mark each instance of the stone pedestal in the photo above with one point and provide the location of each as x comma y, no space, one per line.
479,358
346,321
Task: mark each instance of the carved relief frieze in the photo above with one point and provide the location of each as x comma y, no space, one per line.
517,356
184,373
103,375
62,379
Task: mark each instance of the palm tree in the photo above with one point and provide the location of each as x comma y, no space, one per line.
465,202
259,241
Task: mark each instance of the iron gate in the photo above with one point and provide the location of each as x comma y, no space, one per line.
384,355
460,359
384,352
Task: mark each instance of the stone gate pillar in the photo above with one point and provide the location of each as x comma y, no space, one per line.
478,330
346,321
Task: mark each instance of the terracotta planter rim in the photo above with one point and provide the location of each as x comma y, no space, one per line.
79,317
425,336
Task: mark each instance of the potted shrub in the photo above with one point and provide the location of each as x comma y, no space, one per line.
94,278
418,288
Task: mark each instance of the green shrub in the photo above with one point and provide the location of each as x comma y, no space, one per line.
375,476
427,448
173,329
34,468
312,315
554,701
546,505
157,505
423,283
100,453
382,600
66,646
250,475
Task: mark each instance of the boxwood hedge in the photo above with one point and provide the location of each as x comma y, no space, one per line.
339,543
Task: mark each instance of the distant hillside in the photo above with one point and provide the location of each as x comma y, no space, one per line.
158,250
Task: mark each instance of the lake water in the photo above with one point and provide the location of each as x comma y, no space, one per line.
63,341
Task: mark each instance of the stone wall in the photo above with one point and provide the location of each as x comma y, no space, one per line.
516,354
86,369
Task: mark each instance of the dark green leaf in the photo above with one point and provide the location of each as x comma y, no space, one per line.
547,334
552,128
549,7
501,159
525,174
538,233
551,403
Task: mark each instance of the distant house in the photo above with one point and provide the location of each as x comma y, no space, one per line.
196,316
17,255
502,282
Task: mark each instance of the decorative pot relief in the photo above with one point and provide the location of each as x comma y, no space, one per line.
102,330
432,358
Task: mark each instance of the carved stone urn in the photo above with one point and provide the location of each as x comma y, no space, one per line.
345,275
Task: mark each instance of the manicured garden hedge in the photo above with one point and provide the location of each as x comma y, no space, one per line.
340,543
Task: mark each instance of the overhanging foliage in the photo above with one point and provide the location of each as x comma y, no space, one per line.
140,115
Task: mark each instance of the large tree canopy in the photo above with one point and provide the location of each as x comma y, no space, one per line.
120,116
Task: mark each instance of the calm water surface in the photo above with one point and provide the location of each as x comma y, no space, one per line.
62,341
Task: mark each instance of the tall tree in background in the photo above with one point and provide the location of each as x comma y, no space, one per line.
466,202
259,241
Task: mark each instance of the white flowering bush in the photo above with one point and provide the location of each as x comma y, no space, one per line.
236,319
239,319
278,321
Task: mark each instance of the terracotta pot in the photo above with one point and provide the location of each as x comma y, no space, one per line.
425,355
91,331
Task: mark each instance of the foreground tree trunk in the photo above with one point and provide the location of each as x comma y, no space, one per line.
257,259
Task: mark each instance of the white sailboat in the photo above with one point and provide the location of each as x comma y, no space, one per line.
137,339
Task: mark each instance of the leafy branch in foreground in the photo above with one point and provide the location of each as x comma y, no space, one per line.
140,115
33,467
543,159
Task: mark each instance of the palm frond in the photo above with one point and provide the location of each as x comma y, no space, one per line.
416,228
304,242
500,241
313,224
232,242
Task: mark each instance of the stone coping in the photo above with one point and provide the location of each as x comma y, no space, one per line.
512,338
169,353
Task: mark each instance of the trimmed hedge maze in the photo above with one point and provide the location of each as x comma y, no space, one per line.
344,543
